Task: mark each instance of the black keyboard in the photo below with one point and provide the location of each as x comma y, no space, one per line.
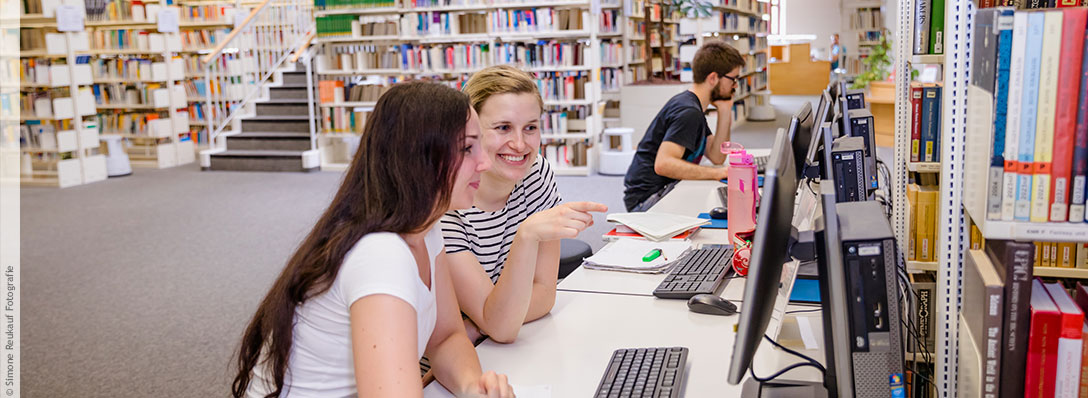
644,372
700,271
761,163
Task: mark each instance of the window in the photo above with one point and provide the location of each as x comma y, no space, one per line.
778,17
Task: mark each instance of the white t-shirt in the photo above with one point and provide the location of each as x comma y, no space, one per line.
489,234
320,363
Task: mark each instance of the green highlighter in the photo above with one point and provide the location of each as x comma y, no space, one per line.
651,256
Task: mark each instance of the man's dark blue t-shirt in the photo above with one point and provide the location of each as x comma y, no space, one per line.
681,121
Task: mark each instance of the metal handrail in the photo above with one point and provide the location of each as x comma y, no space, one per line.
238,69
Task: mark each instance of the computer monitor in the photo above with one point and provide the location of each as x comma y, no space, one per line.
765,265
824,113
799,134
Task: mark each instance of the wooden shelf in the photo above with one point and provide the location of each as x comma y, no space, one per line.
1056,272
929,59
1032,231
924,167
922,265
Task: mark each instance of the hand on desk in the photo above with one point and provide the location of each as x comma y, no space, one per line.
565,220
491,385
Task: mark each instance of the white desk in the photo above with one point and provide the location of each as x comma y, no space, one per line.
569,349
688,198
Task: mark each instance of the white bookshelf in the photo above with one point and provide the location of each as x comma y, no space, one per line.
335,145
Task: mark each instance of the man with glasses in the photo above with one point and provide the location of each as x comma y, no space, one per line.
679,136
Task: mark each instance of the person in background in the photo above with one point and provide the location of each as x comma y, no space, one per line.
679,136
504,251
368,291
838,53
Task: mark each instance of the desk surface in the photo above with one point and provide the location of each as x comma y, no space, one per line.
597,312
684,200
569,349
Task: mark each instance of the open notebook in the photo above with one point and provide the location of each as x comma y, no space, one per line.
657,226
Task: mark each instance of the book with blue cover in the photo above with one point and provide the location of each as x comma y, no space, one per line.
1029,108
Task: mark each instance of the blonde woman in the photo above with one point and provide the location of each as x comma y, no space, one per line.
504,251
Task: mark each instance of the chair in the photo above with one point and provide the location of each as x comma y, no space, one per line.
571,254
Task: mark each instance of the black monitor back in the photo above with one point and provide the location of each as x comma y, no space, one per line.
772,237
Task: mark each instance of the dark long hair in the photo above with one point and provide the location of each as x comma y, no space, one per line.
400,181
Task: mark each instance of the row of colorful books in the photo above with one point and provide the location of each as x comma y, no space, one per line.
925,122
1020,336
929,27
565,154
1029,64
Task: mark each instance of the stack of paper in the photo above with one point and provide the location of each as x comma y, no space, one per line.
628,255
657,226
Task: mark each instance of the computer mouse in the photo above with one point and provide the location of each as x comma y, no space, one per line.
719,213
711,304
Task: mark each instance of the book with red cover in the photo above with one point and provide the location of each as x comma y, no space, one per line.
915,122
622,231
1080,296
1080,148
1042,364
1065,118
1067,376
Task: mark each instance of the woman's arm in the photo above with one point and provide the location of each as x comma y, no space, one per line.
526,288
453,358
383,341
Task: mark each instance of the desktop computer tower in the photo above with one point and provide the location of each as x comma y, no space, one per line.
855,99
848,164
869,259
861,125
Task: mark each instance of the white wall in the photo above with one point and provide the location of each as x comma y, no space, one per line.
815,17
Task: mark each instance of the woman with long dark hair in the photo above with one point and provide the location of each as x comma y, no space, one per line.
368,292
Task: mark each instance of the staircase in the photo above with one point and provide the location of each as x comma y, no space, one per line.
277,137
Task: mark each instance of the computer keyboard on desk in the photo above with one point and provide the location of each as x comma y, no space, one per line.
644,372
761,163
700,271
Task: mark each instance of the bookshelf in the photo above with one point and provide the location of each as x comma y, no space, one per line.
364,49
863,25
58,143
948,253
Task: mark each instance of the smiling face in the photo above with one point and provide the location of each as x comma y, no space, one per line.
510,125
475,161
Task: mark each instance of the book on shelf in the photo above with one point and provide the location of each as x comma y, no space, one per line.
924,312
1042,358
1038,154
981,320
1013,263
923,212
1070,344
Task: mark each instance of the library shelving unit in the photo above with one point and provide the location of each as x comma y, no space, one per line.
965,149
392,41
203,25
136,73
59,145
743,24
863,26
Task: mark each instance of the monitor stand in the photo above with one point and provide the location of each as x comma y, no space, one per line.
784,389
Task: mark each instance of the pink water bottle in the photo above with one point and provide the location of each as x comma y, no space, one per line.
743,194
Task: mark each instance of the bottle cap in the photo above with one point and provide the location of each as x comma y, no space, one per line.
741,158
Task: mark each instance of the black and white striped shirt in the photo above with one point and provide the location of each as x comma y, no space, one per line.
489,234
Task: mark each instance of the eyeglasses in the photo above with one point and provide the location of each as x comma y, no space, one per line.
734,79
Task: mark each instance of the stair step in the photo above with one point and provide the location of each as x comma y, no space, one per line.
278,118
259,160
254,153
272,135
282,101
290,85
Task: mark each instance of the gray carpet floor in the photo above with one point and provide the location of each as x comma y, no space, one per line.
140,286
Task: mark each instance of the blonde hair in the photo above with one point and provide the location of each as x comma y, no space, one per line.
500,79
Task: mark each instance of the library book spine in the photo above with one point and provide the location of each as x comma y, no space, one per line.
1014,261
1044,125
1012,122
1072,50
1028,115
916,122
1079,171
921,26
931,123
1003,24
